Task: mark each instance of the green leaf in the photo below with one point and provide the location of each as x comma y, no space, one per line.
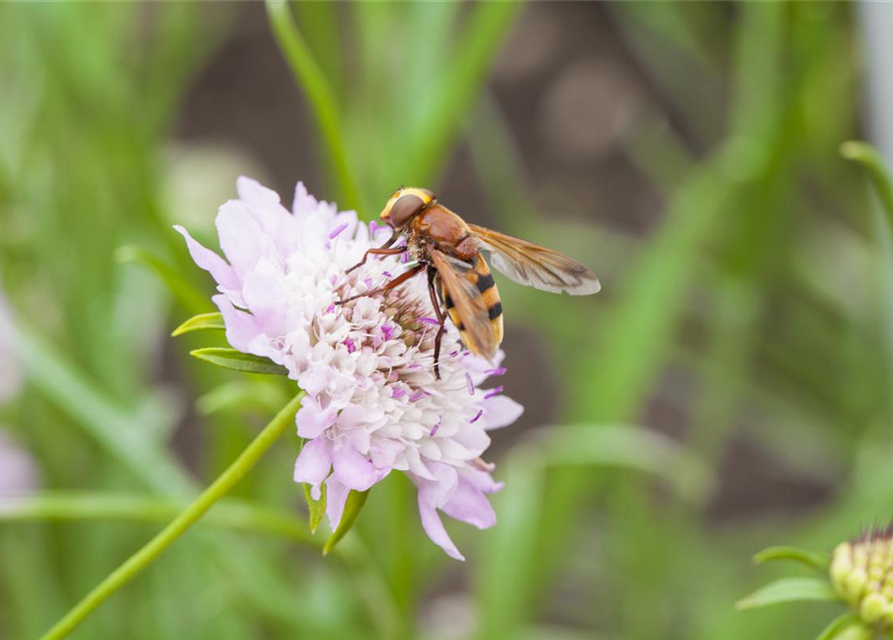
320,94
871,159
200,322
317,507
810,559
843,623
238,361
186,294
355,502
789,590
242,395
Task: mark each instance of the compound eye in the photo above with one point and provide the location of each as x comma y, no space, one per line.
405,209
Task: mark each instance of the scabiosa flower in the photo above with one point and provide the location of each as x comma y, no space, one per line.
18,473
373,404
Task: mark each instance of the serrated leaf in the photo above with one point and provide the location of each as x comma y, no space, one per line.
186,294
317,507
789,590
841,627
202,321
355,502
809,558
238,361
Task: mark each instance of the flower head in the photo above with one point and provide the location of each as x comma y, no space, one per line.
862,574
373,403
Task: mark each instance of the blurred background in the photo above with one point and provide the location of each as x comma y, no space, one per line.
728,390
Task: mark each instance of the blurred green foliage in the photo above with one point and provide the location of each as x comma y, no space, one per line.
766,286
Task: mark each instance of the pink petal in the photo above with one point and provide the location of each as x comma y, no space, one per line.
264,289
434,528
241,327
210,262
469,504
304,203
336,497
437,493
243,241
312,420
254,193
313,463
353,469
501,411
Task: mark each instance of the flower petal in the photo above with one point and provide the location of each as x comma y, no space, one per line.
501,411
312,420
313,464
241,327
210,262
469,504
243,241
353,469
336,497
434,528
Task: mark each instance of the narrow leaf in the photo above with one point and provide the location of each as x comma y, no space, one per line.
238,361
809,558
789,590
186,294
200,322
840,624
355,502
317,507
871,159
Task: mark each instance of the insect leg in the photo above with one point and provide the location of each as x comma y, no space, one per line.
383,250
403,277
432,291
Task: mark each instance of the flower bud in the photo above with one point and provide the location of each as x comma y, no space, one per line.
862,574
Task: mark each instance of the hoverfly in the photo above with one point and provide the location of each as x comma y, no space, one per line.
459,280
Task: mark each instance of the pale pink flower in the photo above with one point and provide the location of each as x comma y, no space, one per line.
373,403
18,473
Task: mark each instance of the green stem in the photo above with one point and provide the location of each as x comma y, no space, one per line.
142,558
319,92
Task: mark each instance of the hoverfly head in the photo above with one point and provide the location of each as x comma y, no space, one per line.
405,204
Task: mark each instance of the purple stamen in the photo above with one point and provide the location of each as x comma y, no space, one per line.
398,392
418,395
477,417
453,354
470,384
368,282
405,258
435,428
387,274
387,331
429,321
494,392
330,308
341,227
495,372
372,227
350,345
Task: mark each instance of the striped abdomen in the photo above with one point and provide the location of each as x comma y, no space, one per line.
485,287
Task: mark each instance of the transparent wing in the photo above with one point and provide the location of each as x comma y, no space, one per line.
535,266
469,304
